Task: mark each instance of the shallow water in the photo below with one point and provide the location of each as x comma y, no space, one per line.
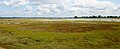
83,19
110,20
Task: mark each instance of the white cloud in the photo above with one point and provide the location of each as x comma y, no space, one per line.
82,7
45,9
45,1
14,3
67,7
28,9
90,7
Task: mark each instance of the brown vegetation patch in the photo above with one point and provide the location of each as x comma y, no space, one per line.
67,27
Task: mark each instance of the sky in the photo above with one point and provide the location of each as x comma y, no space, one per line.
59,7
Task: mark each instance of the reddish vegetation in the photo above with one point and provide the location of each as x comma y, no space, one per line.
68,27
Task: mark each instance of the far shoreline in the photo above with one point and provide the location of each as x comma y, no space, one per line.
66,19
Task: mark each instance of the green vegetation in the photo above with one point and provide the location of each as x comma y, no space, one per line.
33,34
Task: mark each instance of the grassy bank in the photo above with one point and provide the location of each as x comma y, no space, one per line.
31,34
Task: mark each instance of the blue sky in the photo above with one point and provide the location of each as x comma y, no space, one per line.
59,8
116,1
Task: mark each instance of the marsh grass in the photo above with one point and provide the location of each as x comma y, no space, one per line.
59,35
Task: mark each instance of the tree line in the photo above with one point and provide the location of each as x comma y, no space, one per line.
99,16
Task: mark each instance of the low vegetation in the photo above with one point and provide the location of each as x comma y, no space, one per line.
99,16
33,34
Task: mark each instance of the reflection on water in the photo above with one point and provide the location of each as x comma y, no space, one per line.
81,19
110,20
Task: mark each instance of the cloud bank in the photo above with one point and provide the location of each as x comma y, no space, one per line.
61,7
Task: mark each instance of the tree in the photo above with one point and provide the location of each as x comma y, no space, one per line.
99,16
75,17
94,16
115,16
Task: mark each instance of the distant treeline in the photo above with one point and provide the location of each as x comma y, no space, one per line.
99,16
93,16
